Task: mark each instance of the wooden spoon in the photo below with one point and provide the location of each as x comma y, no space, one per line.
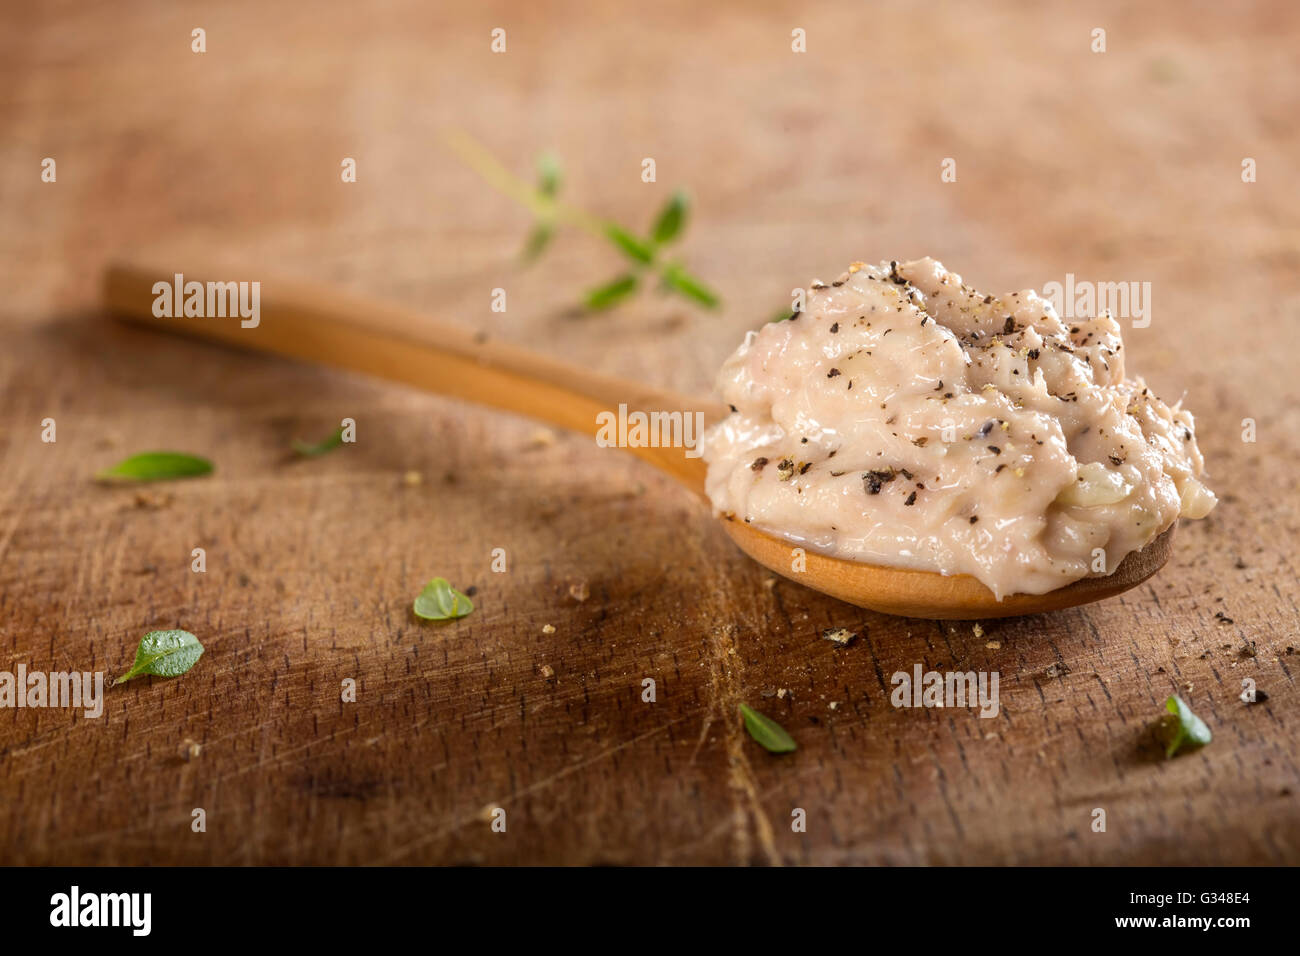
304,321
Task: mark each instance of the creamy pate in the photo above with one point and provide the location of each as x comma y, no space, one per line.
902,418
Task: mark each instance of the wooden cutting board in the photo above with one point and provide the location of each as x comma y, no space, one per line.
1117,166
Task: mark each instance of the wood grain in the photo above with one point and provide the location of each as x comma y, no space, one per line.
1117,166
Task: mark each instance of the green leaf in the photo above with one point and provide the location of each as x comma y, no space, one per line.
550,174
635,249
770,735
156,466
439,601
1190,729
327,444
164,654
784,315
671,218
537,241
612,293
683,283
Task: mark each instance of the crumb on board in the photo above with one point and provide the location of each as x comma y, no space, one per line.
541,438
412,478
839,636
580,591
548,628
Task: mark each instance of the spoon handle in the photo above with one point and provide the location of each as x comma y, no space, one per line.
319,324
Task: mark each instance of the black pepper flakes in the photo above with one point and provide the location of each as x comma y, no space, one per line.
873,481
911,499
758,465
832,373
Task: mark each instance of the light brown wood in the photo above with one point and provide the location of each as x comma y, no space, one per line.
937,597
308,322
327,326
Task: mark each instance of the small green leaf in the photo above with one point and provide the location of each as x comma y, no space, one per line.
635,249
770,735
537,241
156,466
164,654
328,444
671,218
683,283
783,316
1190,729
611,294
439,601
550,174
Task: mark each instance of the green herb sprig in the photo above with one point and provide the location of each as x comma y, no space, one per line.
156,466
645,254
325,445
164,654
1187,729
439,601
770,735
549,177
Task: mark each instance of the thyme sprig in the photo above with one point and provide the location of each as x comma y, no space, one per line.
647,259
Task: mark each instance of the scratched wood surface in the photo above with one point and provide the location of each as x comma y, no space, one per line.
1123,165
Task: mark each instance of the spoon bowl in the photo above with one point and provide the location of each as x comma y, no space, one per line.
327,326
943,597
